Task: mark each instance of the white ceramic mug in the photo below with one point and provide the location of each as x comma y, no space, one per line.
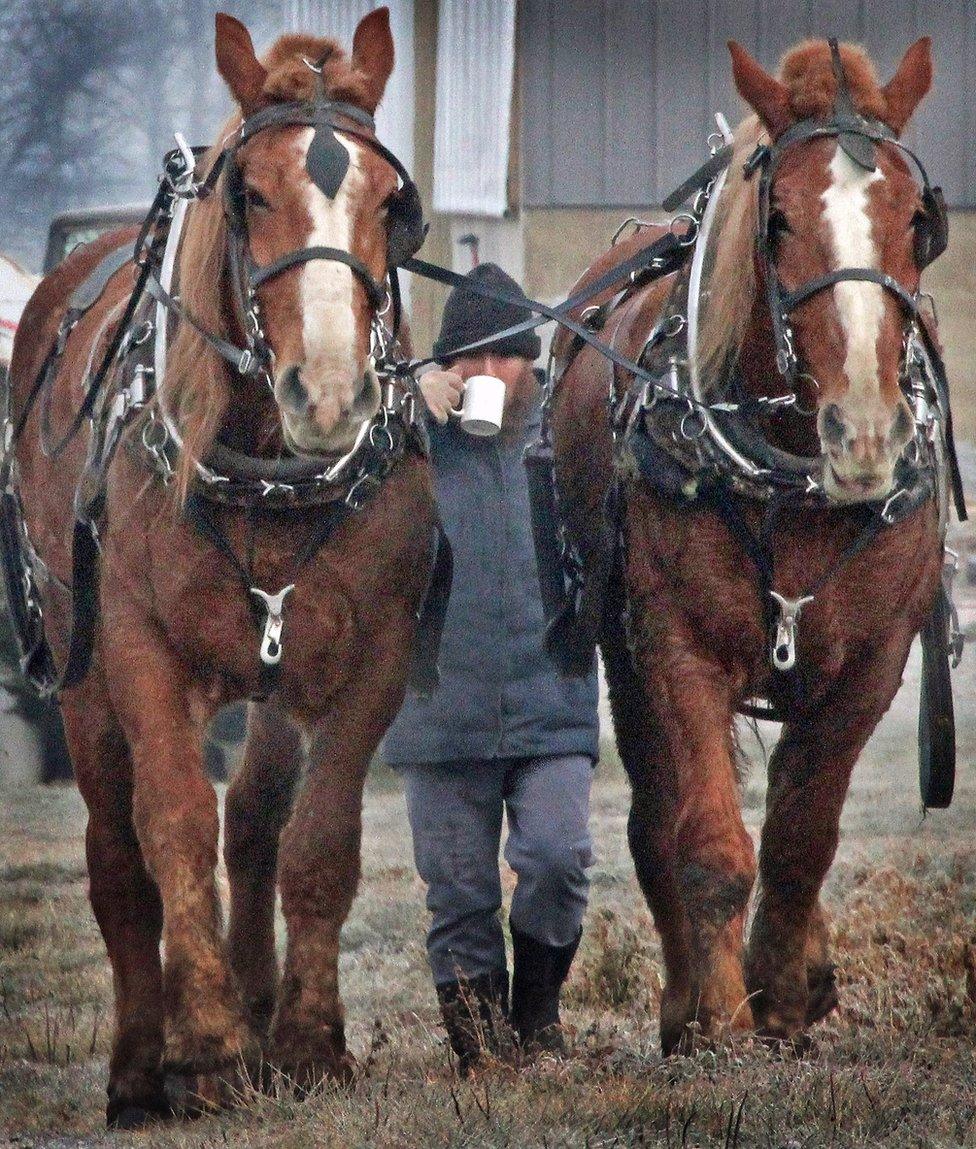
482,406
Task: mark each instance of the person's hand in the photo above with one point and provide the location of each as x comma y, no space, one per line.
442,391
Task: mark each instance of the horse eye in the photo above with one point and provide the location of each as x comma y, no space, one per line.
778,224
255,199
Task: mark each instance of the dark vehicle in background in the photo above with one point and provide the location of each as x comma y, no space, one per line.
66,232
71,228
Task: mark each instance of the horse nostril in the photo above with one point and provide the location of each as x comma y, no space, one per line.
833,426
902,427
292,392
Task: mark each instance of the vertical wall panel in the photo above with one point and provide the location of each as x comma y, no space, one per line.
338,18
535,40
682,116
662,69
473,117
632,97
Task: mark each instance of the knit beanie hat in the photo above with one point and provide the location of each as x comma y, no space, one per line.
469,317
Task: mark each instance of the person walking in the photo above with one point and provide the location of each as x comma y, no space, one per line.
504,733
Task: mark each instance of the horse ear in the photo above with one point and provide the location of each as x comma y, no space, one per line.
904,91
767,97
237,62
372,53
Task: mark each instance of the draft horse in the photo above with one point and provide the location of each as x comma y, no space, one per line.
266,533
778,465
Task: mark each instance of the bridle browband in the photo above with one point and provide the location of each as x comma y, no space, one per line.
858,136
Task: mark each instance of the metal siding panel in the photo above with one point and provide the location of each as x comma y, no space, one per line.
942,115
601,92
577,103
681,46
535,48
889,27
840,18
632,85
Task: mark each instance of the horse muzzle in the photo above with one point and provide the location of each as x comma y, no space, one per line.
329,424
860,451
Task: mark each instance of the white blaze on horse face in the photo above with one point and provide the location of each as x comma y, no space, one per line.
860,305
331,371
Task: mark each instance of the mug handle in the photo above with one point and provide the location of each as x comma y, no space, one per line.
457,412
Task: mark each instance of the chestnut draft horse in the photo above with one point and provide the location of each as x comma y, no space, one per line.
837,248
179,632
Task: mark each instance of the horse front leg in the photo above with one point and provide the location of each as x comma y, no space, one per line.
788,967
319,863
259,801
686,824
125,901
176,820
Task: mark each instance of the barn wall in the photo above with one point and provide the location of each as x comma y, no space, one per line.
619,95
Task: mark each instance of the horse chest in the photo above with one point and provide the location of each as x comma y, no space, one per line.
696,585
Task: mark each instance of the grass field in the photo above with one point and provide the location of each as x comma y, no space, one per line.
896,1066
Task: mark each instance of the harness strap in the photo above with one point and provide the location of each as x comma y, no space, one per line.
423,676
202,516
242,359
667,250
372,287
792,299
559,314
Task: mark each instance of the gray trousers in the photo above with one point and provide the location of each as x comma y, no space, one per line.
455,811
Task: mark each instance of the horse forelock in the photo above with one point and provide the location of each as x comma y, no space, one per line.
290,78
807,71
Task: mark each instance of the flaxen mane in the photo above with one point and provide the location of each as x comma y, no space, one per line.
807,72
198,382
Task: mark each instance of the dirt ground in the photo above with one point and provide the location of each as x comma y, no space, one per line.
895,1066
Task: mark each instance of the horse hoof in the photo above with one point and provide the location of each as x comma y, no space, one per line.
823,995
123,1114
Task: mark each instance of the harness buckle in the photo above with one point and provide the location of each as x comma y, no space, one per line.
784,641
245,362
274,621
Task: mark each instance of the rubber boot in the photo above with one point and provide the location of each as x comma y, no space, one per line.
540,971
474,1010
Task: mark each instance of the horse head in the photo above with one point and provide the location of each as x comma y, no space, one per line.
838,222
301,234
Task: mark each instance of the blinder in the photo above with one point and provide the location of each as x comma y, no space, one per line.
931,227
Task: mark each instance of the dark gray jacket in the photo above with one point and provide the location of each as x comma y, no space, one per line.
500,696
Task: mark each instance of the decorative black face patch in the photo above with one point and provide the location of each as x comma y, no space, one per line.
856,146
327,161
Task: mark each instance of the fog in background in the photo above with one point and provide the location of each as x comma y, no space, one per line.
90,95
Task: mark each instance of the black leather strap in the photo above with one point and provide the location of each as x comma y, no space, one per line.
792,299
668,249
374,290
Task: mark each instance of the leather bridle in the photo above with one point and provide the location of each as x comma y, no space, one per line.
326,162
859,137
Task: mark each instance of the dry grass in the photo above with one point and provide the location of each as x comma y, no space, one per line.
896,1066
